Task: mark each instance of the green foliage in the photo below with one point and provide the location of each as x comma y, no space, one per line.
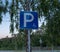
12,28
50,9
35,40
45,8
0,18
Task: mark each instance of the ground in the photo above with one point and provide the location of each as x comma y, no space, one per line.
32,51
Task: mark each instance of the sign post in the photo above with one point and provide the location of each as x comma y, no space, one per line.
28,20
29,41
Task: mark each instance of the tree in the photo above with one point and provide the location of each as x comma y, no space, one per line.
50,9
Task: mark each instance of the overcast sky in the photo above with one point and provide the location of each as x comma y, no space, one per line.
4,27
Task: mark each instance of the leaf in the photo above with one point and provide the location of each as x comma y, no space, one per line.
11,28
17,25
0,19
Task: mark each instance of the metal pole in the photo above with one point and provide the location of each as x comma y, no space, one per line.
28,40
28,36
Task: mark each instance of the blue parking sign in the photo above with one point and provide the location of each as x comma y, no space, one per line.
28,20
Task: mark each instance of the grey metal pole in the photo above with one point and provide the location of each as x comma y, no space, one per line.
28,40
28,36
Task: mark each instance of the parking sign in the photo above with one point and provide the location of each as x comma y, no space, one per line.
28,20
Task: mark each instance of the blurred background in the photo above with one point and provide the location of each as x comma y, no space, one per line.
46,37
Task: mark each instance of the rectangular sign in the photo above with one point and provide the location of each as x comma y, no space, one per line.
28,20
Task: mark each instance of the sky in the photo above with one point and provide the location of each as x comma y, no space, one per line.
4,27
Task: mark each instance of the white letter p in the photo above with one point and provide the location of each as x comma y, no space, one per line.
26,20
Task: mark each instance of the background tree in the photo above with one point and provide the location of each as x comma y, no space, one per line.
50,9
